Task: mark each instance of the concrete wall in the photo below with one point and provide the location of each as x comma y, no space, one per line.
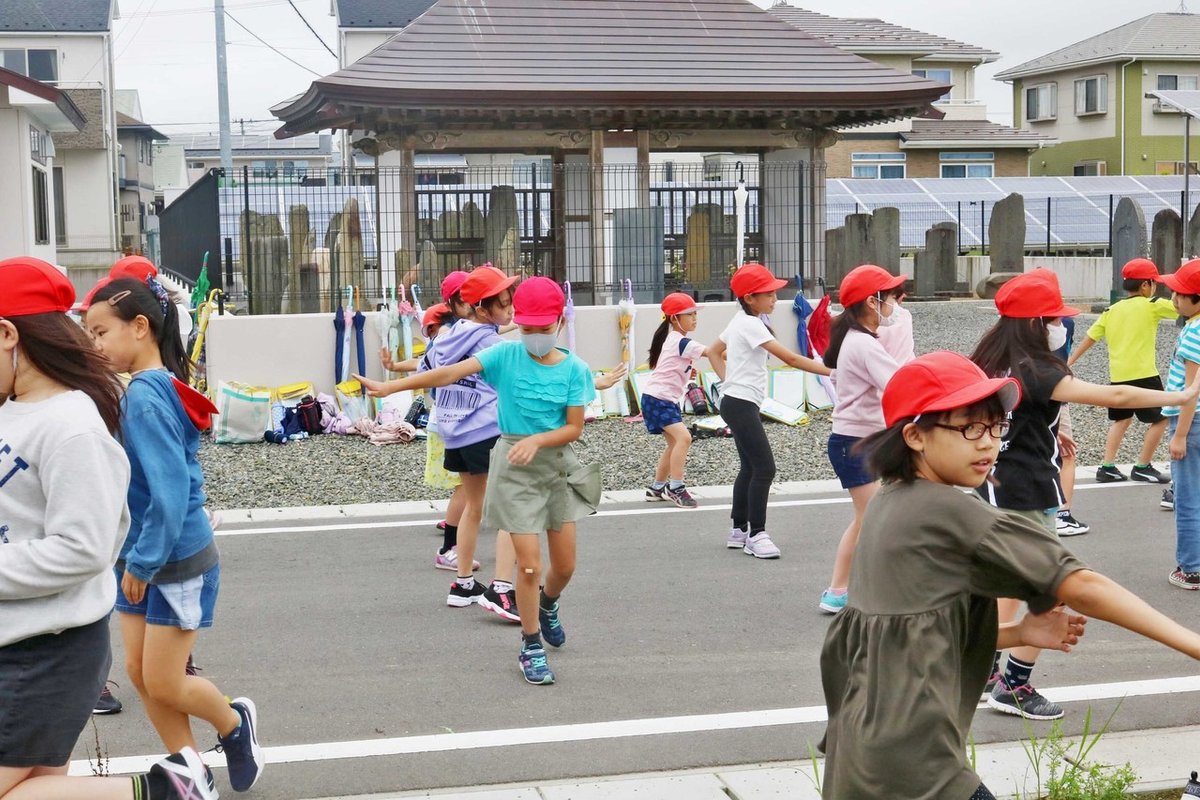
1086,278
276,350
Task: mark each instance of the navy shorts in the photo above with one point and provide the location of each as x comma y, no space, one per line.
658,414
472,459
187,605
851,467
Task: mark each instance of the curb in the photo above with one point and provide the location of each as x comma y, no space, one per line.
239,517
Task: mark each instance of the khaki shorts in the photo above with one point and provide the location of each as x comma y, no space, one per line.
554,489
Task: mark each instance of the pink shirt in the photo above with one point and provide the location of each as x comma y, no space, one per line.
864,368
670,377
897,338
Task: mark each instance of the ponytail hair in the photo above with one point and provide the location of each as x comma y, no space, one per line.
130,298
746,309
59,349
849,320
656,341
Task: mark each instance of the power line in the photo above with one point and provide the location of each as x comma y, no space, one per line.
234,20
310,27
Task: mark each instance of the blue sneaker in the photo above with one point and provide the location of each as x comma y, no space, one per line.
552,629
243,756
533,664
832,603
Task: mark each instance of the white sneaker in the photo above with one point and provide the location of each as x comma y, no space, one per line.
1067,525
760,546
449,560
737,539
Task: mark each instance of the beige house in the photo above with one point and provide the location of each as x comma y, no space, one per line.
962,144
1090,97
135,175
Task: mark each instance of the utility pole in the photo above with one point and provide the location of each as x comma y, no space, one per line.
223,91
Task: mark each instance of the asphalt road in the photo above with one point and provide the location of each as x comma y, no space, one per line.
344,637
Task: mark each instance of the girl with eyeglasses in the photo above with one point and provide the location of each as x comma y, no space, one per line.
1026,476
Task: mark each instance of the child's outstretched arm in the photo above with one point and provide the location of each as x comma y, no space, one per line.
391,365
1054,630
795,359
610,378
1095,595
1073,390
442,376
523,451
1084,346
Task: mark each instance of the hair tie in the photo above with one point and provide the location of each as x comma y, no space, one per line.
160,293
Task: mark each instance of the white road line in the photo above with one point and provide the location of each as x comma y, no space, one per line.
619,512
619,729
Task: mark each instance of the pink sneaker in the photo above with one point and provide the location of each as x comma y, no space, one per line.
449,560
760,546
737,539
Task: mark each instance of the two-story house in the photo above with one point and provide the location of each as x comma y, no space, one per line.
135,174
68,44
30,112
962,144
1090,97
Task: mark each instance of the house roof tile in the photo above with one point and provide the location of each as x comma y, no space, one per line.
56,16
1163,35
379,13
867,35
933,133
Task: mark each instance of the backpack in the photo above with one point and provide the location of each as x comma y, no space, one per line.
309,412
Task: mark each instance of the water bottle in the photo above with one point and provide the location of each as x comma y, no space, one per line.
695,396
1192,789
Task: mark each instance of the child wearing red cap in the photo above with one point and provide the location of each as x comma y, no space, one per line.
536,483
59,413
1184,284
861,366
671,357
169,572
903,664
744,346
1130,327
1022,344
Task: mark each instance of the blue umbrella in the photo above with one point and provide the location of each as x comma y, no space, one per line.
803,310
360,322
339,341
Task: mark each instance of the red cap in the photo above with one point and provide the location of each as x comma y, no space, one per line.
136,267
433,316
86,303
485,281
538,301
678,303
1033,294
754,278
452,283
942,381
31,286
1185,280
865,281
1140,269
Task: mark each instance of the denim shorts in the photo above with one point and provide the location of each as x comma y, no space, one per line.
658,413
186,605
851,468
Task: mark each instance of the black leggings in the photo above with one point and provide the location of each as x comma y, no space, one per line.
982,793
753,483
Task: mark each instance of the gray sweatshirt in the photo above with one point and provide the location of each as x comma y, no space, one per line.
63,518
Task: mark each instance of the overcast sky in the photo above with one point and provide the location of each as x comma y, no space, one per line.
165,48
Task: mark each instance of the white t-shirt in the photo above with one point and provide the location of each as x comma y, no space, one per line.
745,358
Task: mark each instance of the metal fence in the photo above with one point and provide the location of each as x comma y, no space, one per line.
292,245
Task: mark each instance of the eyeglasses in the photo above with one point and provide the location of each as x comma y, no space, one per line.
973,431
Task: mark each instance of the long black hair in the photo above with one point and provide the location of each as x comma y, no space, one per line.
59,349
129,299
890,457
746,309
1013,346
849,320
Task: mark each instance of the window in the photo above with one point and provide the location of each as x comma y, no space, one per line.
523,169
1173,168
60,208
967,165
1090,168
41,65
41,208
195,165
145,152
1091,95
37,145
1041,102
938,75
877,165
668,171
263,169
1170,82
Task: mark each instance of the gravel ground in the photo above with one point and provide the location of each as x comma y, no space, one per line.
335,470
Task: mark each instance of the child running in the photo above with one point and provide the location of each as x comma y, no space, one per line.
59,414
745,345
169,572
902,666
671,357
1185,434
1130,327
861,366
1021,345
536,483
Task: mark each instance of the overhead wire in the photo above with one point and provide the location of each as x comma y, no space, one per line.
279,53
311,28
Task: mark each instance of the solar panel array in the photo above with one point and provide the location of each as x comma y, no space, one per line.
1079,207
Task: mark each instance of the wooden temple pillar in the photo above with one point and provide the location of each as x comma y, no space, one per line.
596,183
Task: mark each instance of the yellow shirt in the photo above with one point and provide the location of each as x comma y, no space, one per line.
1131,328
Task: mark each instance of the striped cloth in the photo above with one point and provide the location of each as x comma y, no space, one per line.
1186,349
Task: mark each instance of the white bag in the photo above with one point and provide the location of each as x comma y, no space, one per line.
245,413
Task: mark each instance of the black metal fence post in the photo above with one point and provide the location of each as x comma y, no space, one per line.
1111,216
1048,210
982,227
959,218
246,249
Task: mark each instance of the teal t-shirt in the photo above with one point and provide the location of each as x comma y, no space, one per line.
533,397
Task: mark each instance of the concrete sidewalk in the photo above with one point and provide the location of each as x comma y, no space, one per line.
1162,760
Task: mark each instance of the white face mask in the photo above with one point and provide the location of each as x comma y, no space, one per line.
1056,336
539,344
890,320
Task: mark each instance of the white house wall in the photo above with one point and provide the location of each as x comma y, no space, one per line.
1068,127
89,222
1163,124
16,201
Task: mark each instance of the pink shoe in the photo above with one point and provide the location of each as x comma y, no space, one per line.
449,560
